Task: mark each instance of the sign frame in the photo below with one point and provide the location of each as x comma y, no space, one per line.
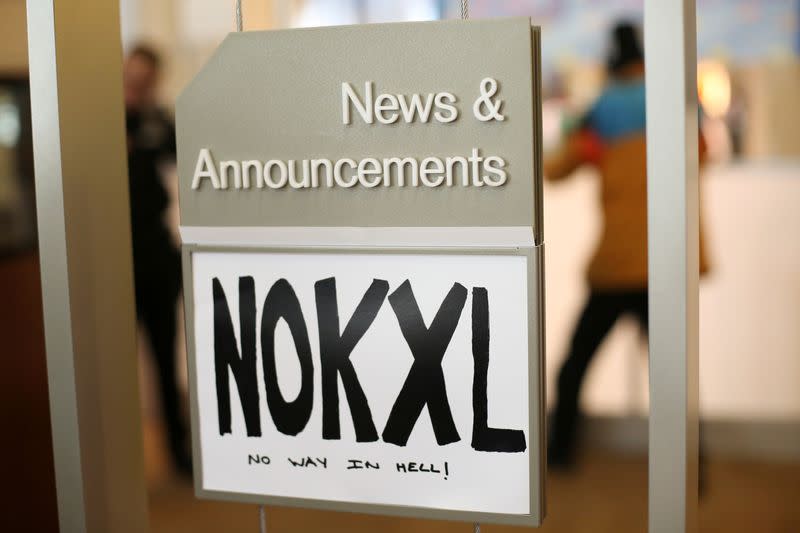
457,222
536,388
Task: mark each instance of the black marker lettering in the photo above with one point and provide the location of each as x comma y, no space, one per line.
484,438
226,355
281,303
425,381
335,350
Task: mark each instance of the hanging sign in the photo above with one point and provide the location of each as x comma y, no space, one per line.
360,215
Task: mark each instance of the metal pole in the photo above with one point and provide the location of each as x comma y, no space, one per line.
262,519
673,249
75,56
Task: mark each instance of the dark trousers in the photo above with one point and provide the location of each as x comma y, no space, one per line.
601,312
156,299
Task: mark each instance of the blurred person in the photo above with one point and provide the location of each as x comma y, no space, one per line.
156,260
610,137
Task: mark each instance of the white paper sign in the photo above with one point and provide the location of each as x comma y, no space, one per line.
435,336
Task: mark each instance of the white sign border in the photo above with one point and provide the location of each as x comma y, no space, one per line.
536,391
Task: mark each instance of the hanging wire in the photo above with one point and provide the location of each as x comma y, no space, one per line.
262,519
477,527
465,15
238,15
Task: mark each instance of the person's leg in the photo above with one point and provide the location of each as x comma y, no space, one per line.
635,303
159,320
597,318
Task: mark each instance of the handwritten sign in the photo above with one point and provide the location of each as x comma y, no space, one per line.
370,378
362,269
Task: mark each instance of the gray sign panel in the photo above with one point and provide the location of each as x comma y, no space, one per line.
278,96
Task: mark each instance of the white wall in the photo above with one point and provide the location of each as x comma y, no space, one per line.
749,303
750,306
187,32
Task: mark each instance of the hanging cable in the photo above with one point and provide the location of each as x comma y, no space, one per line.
465,15
238,15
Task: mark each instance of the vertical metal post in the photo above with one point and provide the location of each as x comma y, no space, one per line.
262,519
673,249
85,249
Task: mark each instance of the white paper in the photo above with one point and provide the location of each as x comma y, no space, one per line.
496,482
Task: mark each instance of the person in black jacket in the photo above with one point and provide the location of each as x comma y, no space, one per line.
156,260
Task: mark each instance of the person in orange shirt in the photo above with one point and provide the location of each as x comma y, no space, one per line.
611,137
